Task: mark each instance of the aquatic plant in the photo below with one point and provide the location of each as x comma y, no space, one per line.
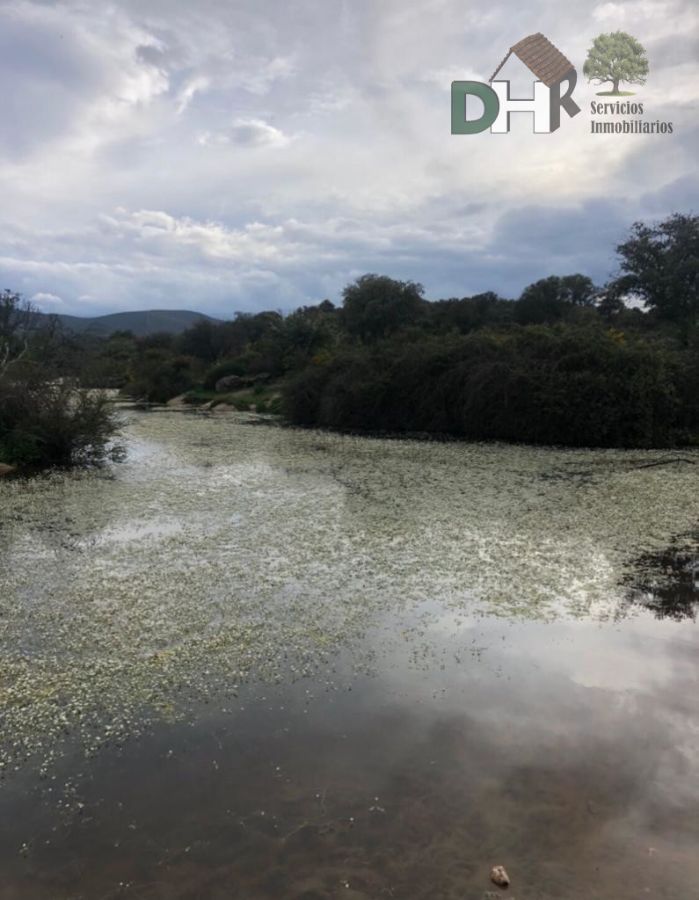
223,551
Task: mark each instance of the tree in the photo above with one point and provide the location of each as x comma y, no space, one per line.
469,313
661,265
17,318
44,419
616,57
550,298
202,339
376,306
610,304
157,375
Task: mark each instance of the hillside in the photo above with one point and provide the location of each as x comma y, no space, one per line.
140,322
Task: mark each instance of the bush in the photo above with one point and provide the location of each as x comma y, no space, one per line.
537,384
215,373
157,376
55,424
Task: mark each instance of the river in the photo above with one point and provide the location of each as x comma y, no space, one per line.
259,662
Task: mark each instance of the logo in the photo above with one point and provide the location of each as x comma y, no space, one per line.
614,58
551,70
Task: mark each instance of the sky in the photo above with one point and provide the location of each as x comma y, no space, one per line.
238,155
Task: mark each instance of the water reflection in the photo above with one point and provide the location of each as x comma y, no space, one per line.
667,583
268,664
560,750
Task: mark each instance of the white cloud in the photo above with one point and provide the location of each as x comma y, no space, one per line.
264,73
187,93
245,132
45,298
211,154
257,133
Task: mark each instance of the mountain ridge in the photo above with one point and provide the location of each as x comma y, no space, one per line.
140,322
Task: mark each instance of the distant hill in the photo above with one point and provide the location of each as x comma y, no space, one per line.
140,322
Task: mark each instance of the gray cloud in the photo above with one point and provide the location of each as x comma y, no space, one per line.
216,157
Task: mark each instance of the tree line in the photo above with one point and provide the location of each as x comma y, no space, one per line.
567,362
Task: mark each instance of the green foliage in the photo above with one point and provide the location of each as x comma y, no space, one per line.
616,57
661,265
203,340
468,313
566,363
376,306
45,420
610,305
220,370
565,384
552,298
55,424
157,375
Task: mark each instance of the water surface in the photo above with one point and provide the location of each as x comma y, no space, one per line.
258,662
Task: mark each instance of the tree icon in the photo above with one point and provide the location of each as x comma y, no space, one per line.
616,57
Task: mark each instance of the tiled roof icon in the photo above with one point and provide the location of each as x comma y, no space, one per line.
541,57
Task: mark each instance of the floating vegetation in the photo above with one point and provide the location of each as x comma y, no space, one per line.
220,552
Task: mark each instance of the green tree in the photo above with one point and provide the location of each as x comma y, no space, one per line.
17,320
661,265
202,339
376,306
45,419
550,298
560,384
610,304
616,57
469,313
157,375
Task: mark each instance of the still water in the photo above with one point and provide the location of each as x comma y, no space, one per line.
254,662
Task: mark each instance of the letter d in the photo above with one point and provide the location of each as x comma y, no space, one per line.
491,107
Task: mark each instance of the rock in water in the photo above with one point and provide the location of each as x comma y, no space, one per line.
499,876
6,470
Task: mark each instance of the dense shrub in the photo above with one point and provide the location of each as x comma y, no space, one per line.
537,384
220,370
157,376
45,419
567,362
49,424
375,306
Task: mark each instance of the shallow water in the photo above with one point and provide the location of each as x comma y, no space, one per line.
256,662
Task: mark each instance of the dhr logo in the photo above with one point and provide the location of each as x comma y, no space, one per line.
551,69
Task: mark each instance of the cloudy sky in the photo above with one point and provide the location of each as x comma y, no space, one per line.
226,155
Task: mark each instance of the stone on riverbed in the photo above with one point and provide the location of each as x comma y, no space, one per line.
499,876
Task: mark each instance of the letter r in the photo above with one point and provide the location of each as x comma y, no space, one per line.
566,101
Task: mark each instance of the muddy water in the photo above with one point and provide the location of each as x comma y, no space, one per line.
259,663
